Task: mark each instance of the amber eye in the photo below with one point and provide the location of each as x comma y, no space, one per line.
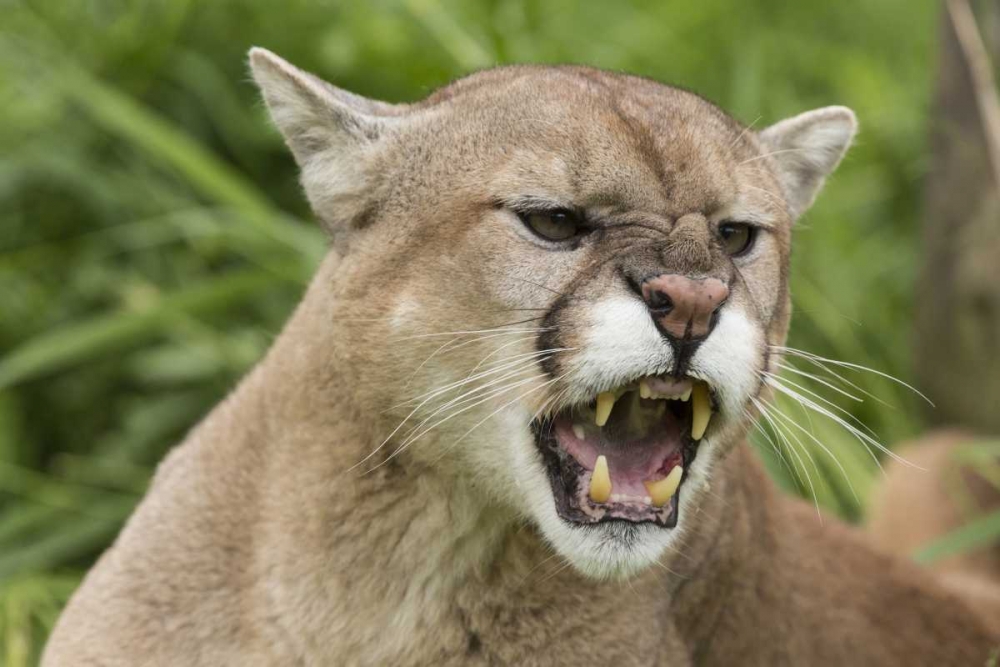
560,225
737,237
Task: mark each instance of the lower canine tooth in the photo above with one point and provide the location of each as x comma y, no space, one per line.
643,389
600,481
701,410
661,491
605,401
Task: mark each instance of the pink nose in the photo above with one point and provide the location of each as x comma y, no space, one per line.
684,307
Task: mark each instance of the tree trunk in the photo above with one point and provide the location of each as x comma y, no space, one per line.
958,302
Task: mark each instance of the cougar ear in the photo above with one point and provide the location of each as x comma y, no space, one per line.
332,134
806,148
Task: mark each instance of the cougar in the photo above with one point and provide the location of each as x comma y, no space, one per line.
507,423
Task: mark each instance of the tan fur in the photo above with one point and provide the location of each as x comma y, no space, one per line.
933,492
262,542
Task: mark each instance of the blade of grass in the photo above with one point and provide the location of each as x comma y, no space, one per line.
105,334
976,534
73,540
127,118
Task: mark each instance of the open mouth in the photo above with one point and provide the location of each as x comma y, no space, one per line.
623,456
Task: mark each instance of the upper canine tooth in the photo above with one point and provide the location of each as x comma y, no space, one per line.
600,481
661,491
605,402
701,410
643,388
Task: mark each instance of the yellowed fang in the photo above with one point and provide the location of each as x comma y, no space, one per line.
701,410
644,391
605,402
600,481
661,491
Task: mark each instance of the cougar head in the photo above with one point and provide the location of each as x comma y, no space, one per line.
558,285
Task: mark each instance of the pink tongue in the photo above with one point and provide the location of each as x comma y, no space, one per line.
630,463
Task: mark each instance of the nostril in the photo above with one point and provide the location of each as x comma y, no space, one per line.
656,297
660,301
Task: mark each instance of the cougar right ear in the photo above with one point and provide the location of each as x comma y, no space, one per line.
332,134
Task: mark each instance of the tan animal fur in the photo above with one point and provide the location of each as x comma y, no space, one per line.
263,541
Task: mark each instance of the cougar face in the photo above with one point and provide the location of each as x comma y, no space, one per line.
557,287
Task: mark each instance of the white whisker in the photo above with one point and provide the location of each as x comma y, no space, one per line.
857,367
778,431
497,351
815,378
472,331
770,440
792,422
519,367
767,155
744,132
822,399
424,431
834,376
514,361
497,411
858,434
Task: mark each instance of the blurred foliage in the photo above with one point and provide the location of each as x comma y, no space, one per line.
153,237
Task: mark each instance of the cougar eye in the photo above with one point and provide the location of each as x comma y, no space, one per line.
737,237
560,225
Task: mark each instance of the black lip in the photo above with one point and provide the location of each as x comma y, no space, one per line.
564,476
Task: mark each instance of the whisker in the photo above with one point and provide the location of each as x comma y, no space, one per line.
424,362
506,345
471,393
497,411
525,359
463,344
773,197
858,434
555,573
555,399
433,394
510,310
832,405
767,436
537,565
792,422
820,380
551,401
481,399
744,132
544,287
767,155
500,330
857,367
834,375
782,435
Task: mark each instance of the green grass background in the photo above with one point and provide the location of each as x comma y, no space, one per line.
153,237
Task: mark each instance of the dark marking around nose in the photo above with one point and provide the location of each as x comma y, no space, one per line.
684,307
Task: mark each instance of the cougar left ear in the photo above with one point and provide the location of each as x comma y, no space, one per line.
332,134
805,149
